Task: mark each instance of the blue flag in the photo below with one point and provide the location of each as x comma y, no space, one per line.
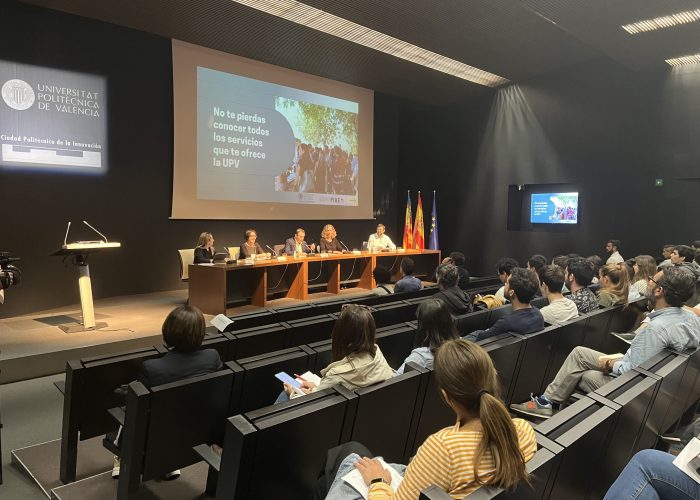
433,240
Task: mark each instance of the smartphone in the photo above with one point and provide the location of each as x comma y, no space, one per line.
285,378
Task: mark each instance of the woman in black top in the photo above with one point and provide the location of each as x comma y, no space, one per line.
204,253
329,242
250,247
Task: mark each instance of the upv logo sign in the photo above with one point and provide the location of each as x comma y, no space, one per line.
18,94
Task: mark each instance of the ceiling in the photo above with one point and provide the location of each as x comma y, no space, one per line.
516,39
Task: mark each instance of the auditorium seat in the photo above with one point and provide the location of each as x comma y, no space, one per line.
259,387
668,368
467,323
259,340
278,451
393,312
256,318
505,351
89,393
567,336
308,330
279,249
583,429
383,417
159,431
434,414
537,350
632,396
597,327
186,258
329,306
539,302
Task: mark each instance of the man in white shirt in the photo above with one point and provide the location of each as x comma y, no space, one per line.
379,240
612,247
560,309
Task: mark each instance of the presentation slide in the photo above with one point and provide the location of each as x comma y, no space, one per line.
52,119
554,208
256,141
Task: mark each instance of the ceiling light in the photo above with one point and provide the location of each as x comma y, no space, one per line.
320,20
689,16
683,60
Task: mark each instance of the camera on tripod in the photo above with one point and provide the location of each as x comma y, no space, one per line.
9,273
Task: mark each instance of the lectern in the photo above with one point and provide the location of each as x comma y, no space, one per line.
79,252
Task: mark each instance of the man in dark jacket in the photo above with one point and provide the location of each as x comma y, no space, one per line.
457,300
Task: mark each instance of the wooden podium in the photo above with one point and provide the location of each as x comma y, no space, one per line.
79,252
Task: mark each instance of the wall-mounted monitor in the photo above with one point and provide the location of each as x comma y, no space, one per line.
554,208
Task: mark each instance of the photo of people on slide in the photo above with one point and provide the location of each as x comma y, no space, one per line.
554,208
325,154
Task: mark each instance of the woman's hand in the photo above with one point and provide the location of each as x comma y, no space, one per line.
288,389
307,386
371,468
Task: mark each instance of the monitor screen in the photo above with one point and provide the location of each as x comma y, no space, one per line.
554,208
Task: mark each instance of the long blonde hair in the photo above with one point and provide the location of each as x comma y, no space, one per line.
467,375
619,282
204,239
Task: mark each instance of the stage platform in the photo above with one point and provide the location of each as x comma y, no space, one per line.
34,346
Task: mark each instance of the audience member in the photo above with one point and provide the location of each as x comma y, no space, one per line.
183,332
459,260
504,267
597,264
696,247
612,248
205,251
560,309
560,261
536,262
357,360
579,275
408,283
666,253
684,256
644,268
628,267
651,475
484,447
457,300
614,288
670,326
521,287
435,327
382,278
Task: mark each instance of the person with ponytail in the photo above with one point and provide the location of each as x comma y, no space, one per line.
484,447
614,285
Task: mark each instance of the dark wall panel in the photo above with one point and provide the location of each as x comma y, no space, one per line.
131,203
608,131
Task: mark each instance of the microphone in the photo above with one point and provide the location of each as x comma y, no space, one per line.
344,245
88,225
65,238
271,250
309,246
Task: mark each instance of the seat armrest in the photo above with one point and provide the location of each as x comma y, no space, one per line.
208,455
118,414
434,493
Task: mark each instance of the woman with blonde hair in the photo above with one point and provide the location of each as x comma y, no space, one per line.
204,252
614,285
329,241
484,447
644,268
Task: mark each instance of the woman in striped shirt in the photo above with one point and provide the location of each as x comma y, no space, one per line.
461,458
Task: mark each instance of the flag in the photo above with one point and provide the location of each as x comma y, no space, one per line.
418,233
433,239
408,225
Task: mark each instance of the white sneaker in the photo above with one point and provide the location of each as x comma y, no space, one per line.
172,475
115,467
